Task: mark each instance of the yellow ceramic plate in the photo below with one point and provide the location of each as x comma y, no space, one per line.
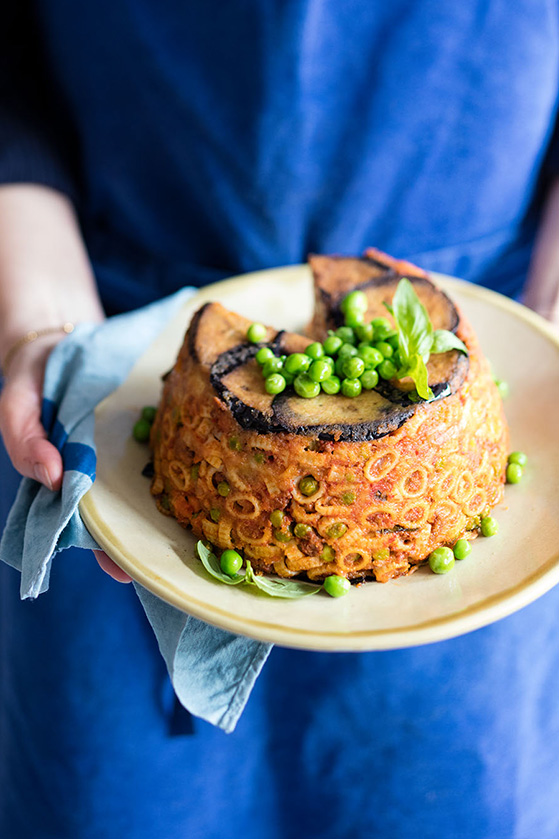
501,575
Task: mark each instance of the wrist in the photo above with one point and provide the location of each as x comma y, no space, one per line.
49,336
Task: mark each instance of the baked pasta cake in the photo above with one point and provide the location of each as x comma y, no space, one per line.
359,487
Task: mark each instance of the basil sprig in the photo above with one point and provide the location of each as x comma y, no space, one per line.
417,339
272,586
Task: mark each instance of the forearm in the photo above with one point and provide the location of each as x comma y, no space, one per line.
45,276
542,288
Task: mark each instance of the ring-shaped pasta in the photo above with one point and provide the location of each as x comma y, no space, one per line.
224,532
179,475
242,505
337,510
355,559
476,503
325,523
416,514
210,531
307,499
378,517
378,466
414,483
245,532
464,487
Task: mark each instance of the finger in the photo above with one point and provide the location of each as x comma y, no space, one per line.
111,568
24,436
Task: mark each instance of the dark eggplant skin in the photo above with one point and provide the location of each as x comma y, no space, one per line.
336,276
217,341
375,413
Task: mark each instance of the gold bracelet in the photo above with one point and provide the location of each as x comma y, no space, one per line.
31,336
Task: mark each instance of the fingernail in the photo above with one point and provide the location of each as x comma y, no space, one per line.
42,475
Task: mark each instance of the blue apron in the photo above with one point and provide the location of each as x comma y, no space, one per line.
215,138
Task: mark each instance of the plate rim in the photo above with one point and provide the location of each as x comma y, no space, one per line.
482,613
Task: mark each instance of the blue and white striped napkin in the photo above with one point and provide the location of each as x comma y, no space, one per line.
212,671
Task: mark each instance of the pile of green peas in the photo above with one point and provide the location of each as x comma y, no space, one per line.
142,427
351,359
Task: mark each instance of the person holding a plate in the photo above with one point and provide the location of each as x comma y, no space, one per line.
147,147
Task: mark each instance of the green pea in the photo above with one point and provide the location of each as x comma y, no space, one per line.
141,430
339,366
518,457
336,586
503,388
462,549
264,354
275,383
382,555
320,370
328,554
259,457
393,340
194,471
351,387
215,513
336,530
148,413
346,334
382,329
230,562
282,536
387,369
371,356
223,489
385,348
489,526
369,379
256,332
364,332
347,351
235,444
354,319
348,498
514,473
332,344
308,485
297,362
306,387
302,531
353,367
315,350
441,561
277,518
331,385
355,301
273,365
329,361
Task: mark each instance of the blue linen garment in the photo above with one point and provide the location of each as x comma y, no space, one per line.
219,137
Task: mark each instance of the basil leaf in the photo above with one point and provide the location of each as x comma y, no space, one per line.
211,564
417,371
276,587
443,341
415,331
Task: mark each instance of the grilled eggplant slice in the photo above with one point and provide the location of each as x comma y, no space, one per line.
237,380
378,276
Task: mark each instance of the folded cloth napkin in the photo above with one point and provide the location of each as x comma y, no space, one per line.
212,671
